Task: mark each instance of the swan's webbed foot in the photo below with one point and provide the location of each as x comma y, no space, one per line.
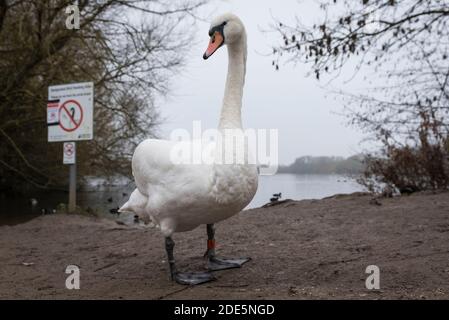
215,263
193,278
185,278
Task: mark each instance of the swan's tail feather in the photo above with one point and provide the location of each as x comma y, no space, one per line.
125,208
136,203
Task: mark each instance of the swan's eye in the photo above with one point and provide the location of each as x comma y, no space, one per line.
224,23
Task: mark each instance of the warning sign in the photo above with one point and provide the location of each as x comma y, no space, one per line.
52,112
69,151
70,115
70,112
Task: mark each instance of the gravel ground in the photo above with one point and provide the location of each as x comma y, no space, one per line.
310,249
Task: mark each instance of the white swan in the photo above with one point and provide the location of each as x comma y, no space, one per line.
180,197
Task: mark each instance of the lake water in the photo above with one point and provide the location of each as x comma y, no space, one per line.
102,195
302,186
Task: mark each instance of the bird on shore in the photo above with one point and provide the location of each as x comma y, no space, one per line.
180,196
48,211
276,197
35,208
408,190
114,211
33,202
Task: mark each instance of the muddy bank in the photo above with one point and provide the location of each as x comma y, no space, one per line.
307,249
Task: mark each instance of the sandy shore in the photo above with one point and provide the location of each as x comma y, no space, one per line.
308,249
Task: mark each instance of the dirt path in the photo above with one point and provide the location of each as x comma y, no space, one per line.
306,249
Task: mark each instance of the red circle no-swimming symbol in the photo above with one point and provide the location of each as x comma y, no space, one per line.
69,149
70,115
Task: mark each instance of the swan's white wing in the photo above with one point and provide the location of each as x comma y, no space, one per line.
177,191
170,167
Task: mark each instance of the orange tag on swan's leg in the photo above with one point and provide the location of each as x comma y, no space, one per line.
210,244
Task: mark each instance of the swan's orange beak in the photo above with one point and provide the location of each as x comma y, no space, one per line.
216,41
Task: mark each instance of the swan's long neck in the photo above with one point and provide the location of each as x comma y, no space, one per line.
232,102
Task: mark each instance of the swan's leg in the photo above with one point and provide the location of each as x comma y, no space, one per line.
213,262
184,277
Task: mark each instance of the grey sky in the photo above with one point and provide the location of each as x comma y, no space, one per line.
286,100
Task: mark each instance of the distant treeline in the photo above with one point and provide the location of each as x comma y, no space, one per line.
324,165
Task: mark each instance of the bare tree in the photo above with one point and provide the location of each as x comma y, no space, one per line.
129,49
407,44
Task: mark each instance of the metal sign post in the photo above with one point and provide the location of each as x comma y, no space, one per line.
70,118
72,188
69,152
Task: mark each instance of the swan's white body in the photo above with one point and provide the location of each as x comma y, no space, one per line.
180,197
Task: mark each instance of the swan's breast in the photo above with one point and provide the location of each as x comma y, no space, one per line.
234,185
